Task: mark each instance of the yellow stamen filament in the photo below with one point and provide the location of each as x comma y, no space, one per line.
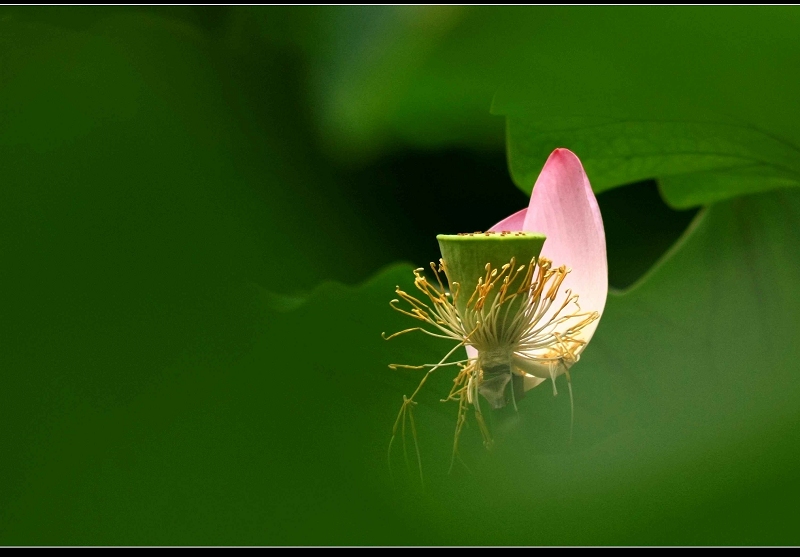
538,330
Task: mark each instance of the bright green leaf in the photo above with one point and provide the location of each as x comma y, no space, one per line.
697,163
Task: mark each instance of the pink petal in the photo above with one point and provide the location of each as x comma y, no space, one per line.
564,208
514,222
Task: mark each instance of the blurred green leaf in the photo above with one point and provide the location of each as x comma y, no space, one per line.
142,131
686,421
362,64
700,97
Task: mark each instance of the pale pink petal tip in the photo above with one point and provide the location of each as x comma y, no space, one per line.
512,223
564,208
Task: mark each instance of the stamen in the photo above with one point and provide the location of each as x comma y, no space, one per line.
514,311
423,366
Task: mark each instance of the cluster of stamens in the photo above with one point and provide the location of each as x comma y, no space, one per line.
512,311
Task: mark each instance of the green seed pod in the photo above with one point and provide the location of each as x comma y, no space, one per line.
473,261
465,256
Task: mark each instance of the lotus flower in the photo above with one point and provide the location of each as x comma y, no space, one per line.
524,298
564,209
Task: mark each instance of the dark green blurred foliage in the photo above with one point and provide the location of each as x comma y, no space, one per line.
191,197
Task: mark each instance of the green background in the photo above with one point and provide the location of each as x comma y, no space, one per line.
204,212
